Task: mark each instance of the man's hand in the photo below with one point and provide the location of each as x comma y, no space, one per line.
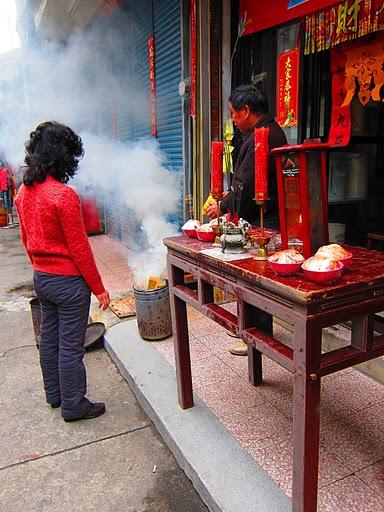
212,208
104,300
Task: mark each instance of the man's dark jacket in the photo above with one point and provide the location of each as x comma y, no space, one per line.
244,175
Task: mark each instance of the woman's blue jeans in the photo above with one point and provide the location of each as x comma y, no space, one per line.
65,302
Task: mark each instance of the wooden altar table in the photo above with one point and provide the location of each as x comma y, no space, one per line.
306,306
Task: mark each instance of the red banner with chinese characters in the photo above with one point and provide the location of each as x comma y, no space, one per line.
260,17
287,88
344,21
192,105
340,131
152,82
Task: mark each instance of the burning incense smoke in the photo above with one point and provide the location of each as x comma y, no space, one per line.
147,188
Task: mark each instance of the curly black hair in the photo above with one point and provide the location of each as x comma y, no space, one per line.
54,149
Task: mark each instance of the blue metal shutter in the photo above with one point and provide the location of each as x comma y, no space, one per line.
167,32
132,21
130,25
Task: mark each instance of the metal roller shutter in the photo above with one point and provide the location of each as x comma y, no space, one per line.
130,24
130,67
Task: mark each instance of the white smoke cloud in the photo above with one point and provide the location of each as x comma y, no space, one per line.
147,188
74,85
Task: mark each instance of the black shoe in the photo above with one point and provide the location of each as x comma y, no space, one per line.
93,411
56,405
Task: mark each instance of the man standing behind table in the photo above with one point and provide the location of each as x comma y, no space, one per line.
249,109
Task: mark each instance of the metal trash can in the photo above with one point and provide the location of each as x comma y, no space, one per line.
153,313
36,318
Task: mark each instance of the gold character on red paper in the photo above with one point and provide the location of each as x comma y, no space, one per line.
342,18
347,17
353,11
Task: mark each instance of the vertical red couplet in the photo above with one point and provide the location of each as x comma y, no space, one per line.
152,82
217,169
261,163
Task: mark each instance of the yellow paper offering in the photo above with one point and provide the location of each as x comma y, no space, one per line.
207,204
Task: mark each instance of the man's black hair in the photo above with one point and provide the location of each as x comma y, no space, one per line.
53,149
249,95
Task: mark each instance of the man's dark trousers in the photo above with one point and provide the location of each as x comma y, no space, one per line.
65,302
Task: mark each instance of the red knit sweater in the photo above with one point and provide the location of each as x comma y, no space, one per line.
53,232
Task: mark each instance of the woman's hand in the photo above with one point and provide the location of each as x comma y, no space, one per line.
104,300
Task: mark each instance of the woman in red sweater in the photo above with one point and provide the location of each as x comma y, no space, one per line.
65,271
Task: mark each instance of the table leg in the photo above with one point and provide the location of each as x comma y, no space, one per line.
255,366
250,316
306,419
180,338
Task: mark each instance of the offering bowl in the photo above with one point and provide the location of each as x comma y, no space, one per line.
192,233
284,269
326,276
206,236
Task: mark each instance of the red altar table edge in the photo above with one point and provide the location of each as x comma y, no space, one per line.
306,306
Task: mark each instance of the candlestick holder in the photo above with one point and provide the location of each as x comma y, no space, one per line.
217,228
262,239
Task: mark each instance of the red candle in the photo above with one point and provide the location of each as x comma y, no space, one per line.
261,163
217,169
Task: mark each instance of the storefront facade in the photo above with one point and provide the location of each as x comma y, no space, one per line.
321,68
186,56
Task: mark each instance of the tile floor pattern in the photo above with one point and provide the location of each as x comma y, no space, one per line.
351,474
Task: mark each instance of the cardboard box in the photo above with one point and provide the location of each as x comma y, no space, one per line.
222,297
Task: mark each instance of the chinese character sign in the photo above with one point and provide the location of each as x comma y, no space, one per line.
287,88
343,21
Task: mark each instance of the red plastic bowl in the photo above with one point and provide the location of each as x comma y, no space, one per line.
192,233
284,269
324,277
206,236
347,261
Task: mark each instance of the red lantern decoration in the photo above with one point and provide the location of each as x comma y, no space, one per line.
261,163
217,169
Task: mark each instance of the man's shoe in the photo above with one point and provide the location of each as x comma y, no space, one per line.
55,405
238,348
93,411
232,334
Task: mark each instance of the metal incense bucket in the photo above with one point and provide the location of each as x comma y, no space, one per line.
153,313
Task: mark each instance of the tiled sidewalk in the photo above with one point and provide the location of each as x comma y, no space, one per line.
351,476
